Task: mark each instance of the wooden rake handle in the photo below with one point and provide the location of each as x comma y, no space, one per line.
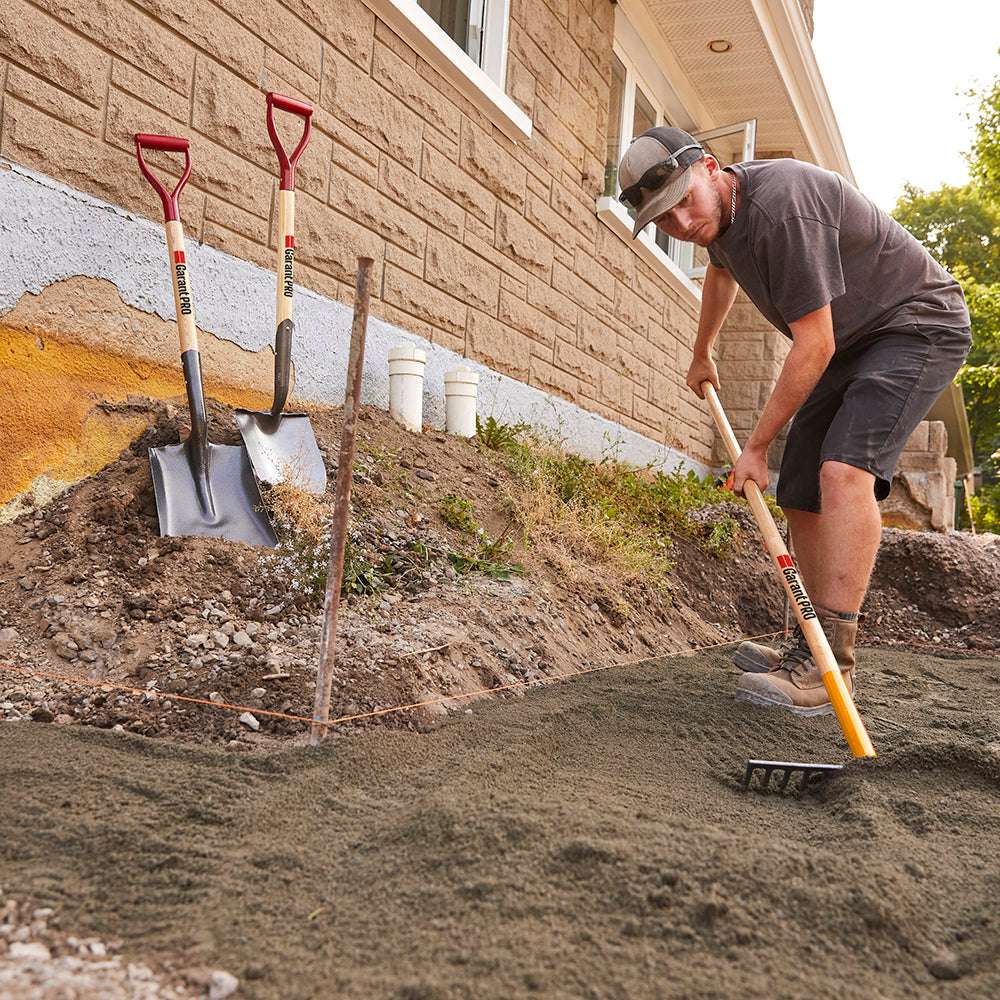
843,704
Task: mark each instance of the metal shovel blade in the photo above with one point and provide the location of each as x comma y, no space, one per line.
221,501
283,449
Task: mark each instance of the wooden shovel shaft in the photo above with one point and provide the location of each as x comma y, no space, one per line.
843,704
342,504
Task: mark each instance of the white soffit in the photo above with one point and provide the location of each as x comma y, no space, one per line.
747,81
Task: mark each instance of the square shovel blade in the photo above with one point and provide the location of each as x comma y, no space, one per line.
232,509
282,449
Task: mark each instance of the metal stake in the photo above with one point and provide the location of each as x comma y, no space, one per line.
342,504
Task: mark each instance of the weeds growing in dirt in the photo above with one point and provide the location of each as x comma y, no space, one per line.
499,437
457,513
622,516
490,556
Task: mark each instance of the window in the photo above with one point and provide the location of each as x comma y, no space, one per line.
466,41
632,110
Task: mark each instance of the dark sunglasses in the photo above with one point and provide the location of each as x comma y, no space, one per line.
656,176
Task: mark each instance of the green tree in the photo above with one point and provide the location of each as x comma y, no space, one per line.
960,226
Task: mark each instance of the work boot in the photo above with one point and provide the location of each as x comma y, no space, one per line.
756,658
796,684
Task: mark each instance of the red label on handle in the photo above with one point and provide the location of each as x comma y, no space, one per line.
179,257
289,241
785,562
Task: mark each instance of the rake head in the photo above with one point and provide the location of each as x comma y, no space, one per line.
811,776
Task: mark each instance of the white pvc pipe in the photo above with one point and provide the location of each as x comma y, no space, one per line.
406,386
460,388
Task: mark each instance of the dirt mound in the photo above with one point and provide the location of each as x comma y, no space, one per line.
91,590
588,840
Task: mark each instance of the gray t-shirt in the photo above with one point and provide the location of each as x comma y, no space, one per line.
804,237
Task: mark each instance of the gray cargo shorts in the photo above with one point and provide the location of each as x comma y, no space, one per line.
866,405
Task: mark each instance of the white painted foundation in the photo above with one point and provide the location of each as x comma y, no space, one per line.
50,232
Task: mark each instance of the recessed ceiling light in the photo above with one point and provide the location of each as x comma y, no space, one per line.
719,45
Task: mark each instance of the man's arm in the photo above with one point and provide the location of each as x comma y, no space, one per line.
717,297
812,348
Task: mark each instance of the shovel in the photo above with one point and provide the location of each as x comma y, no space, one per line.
201,488
282,446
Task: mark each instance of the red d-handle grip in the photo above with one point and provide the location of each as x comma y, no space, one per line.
166,144
287,162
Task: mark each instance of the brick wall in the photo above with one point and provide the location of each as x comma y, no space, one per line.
485,246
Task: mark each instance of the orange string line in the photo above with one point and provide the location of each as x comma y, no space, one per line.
228,707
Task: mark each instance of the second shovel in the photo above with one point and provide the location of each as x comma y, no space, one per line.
282,446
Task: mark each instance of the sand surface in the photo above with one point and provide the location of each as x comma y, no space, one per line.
586,840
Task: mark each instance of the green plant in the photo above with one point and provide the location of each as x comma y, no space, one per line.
499,437
456,512
986,509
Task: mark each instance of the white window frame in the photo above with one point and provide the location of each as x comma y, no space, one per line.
483,85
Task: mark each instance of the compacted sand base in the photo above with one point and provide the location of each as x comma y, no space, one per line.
587,840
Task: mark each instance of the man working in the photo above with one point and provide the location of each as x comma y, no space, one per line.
878,330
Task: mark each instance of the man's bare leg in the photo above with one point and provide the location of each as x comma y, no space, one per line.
836,549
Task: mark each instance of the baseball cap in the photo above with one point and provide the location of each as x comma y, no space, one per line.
655,172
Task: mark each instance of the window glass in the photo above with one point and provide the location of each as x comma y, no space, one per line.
615,108
644,117
463,21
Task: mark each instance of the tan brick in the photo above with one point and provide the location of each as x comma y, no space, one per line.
479,229
396,316
373,210
544,375
593,273
538,212
492,166
48,145
346,137
575,288
456,270
549,124
517,238
134,81
593,39
613,254
491,255
597,339
407,86
53,101
542,69
407,189
457,185
417,298
544,28
229,110
251,227
582,215
520,84
214,31
331,242
511,284
345,158
739,350
286,77
214,166
278,26
497,345
348,24
411,262
132,34
551,302
576,363
385,36
527,319
541,189
579,115
50,50
442,143
355,98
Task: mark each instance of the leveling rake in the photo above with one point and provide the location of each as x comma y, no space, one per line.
843,704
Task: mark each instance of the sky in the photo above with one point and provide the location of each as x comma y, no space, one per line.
897,72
